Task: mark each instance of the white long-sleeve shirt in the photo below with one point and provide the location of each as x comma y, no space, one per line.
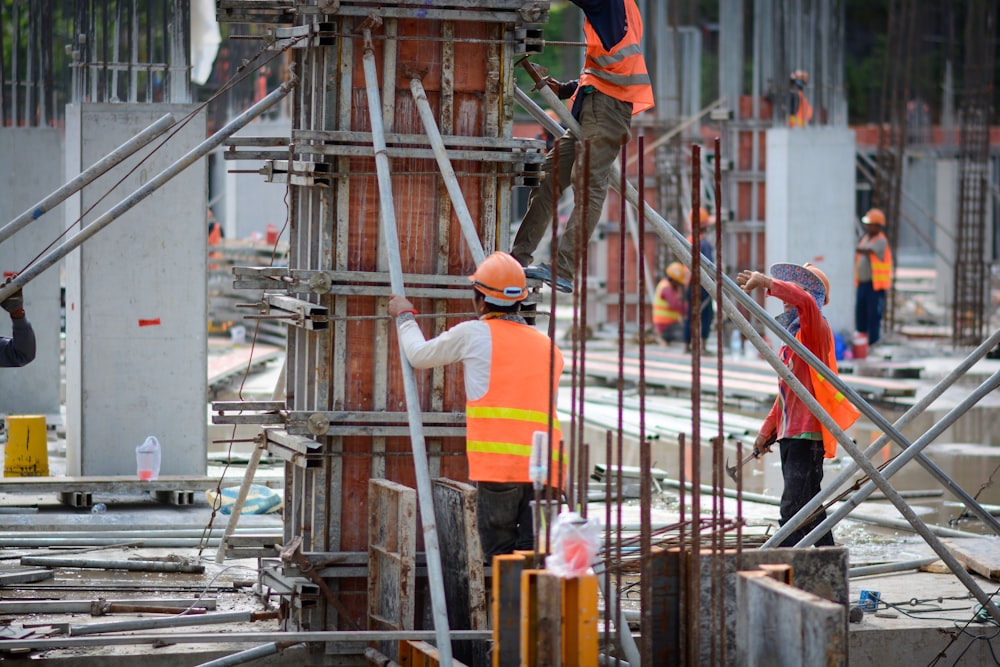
469,342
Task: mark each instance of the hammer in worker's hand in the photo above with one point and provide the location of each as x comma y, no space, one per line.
756,453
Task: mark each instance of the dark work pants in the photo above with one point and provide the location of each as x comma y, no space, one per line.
868,306
504,515
802,469
707,315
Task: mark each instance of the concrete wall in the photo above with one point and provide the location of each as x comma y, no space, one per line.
136,301
31,170
810,211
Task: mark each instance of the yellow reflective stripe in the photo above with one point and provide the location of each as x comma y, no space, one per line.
518,414
511,448
837,395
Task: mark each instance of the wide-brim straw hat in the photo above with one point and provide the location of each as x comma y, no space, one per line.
801,276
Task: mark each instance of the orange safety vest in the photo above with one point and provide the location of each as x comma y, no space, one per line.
881,268
621,72
500,425
832,401
663,314
803,114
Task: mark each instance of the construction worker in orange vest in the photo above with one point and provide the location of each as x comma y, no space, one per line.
613,86
669,303
872,275
800,112
18,349
803,441
706,309
511,372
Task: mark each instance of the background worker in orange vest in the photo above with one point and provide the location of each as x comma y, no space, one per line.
872,275
19,349
669,303
803,440
706,309
800,112
510,369
613,86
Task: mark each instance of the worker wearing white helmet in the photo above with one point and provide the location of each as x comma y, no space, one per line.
510,369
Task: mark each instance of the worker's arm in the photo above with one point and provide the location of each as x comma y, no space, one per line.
20,349
463,342
813,332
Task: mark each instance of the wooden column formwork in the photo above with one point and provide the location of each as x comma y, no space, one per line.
344,420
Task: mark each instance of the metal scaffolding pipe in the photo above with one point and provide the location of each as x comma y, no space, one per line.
131,565
909,453
171,622
86,541
447,172
249,655
918,409
425,498
87,176
363,636
889,568
732,293
200,151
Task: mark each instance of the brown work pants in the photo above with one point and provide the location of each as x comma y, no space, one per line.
604,122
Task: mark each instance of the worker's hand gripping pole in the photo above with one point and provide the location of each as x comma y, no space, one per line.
388,217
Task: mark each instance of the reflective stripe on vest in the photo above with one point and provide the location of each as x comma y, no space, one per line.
621,72
500,425
882,269
832,401
662,312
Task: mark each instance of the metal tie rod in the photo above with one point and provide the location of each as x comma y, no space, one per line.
917,409
198,152
388,216
731,292
910,452
447,172
89,175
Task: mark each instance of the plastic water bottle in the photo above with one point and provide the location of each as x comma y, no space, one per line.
537,468
735,343
98,508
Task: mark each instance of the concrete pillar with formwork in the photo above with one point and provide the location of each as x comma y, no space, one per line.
784,625
135,299
35,388
346,377
810,210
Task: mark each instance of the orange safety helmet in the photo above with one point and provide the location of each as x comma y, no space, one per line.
874,216
822,276
703,216
678,272
500,278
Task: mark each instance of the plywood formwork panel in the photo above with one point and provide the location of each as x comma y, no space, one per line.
463,55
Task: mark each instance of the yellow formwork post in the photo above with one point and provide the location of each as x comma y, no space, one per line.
529,621
27,452
580,641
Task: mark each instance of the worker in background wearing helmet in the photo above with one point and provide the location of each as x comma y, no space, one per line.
872,275
19,349
800,112
707,312
802,440
511,371
669,304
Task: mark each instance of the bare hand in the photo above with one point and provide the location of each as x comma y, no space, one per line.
399,304
751,280
762,445
553,84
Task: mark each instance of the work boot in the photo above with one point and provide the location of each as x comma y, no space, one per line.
543,273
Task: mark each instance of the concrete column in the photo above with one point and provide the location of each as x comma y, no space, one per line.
810,211
31,171
136,323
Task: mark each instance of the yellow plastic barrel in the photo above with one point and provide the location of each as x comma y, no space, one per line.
26,453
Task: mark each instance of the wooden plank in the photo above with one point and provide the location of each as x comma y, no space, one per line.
981,556
462,566
506,584
392,529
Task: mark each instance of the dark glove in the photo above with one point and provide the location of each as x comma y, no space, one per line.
13,303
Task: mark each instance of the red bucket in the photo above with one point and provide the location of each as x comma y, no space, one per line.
859,345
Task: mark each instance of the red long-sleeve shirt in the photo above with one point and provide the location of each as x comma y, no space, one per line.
789,417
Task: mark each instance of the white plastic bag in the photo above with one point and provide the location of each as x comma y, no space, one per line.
147,459
575,543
